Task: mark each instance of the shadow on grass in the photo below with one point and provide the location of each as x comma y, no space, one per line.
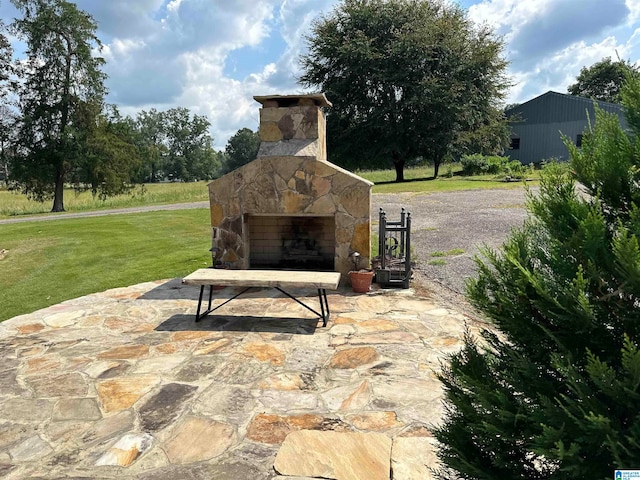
241,323
391,182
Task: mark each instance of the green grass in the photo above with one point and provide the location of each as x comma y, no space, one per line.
420,180
413,173
14,203
437,262
49,262
448,253
452,184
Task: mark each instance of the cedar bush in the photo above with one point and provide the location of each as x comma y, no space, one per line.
553,391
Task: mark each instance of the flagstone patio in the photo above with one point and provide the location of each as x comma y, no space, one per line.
124,384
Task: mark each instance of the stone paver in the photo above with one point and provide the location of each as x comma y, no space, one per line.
124,384
412,457
344,456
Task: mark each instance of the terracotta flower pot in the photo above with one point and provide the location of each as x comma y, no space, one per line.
361,280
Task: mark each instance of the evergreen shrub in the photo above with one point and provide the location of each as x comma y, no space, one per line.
552,392
478,164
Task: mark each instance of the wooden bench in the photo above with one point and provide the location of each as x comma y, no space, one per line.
278,279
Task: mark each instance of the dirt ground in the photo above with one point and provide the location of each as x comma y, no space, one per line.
454,221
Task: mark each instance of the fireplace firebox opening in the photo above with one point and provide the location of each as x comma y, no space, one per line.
292,242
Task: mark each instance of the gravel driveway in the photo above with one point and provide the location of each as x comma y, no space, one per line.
442,222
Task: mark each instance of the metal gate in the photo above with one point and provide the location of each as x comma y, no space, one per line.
393,265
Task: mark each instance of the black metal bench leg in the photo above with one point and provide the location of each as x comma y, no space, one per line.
324,305
321,315
324,318
199,315
200,303
210,294
324,313
208,310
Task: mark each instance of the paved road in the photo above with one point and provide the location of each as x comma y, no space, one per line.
100,213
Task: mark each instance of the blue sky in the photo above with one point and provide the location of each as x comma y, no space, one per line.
213,56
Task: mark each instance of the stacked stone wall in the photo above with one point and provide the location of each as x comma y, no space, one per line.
291,186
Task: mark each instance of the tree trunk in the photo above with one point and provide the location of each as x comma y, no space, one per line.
5,166
58,195
436,167
398,163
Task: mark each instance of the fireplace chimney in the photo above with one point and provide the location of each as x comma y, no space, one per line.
293,125
290,208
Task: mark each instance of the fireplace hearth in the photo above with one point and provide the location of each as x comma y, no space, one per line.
290,208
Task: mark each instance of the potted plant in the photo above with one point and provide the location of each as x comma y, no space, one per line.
360,278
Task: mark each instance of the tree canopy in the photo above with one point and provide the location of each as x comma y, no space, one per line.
57,130
602,80
407,79
190,154
174,145
241,149
61,81
553,391
6,66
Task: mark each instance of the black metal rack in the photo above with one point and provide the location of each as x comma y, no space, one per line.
393,264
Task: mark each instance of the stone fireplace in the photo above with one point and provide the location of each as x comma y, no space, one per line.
290,208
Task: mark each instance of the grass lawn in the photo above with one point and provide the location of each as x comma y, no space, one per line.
420,180
49,262
14,203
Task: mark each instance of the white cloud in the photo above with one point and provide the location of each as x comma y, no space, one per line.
549,41
634,8
558,71
121,49
123,18
178,57
506,13
213,56
228,102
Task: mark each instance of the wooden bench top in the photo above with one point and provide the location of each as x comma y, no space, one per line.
263,278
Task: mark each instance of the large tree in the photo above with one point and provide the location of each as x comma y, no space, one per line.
190,155
61,81
241,149
107,154
7,115
6,67
406,78
553,391
602,80
151,141
7,138
174,144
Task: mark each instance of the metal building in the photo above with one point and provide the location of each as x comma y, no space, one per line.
542,121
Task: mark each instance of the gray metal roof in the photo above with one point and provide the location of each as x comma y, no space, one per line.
553,107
